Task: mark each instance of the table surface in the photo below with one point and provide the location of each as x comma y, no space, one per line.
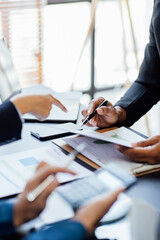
147,187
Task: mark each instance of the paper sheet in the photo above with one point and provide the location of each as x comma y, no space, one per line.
102,152
16,169
122,136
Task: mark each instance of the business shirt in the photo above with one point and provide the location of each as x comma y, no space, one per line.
145,91
10,123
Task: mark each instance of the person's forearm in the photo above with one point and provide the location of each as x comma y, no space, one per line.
136,102
63,230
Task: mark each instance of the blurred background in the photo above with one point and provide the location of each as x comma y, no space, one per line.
46,38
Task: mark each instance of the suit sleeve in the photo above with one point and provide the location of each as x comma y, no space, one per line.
64,230
145,91
10,123
6,216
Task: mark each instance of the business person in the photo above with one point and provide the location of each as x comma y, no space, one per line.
11,111
80,227
140,97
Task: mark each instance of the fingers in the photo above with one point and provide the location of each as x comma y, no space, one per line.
132,153
47,191
144,151
34,208
138,154
147,142
57,103
42,172
94,104
106,115
105,201
102,110
89,215
53,169
41,164
112,197
109,109
85,113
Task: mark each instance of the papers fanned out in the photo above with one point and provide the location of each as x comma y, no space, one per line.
16,169
102,152
122,136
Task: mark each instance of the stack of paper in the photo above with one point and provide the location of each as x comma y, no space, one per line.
100,148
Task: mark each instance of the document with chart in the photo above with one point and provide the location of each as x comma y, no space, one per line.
17,168
121,136
102,152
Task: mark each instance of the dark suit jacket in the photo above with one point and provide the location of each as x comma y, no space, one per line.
10,123
65,230
145,91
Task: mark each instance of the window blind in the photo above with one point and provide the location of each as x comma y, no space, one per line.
21,24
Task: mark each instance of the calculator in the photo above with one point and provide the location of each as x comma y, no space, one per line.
78,192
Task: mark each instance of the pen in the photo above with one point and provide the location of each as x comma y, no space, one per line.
104,103
38,190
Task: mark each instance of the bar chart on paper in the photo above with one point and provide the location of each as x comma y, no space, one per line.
16,169
102,152
122,136
13,176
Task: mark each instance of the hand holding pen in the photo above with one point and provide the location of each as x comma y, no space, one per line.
25,210
93,111
89,215
33,200
105,114
39,189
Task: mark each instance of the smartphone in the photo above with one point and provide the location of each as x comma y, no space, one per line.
113,177
48,133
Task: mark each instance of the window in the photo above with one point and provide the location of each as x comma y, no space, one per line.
45,39
65,29
109,63
21,25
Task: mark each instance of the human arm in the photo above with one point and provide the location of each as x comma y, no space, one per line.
11,111
144,92
106,116
82,225
144,151
33,209
13,215
25,210
37,105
